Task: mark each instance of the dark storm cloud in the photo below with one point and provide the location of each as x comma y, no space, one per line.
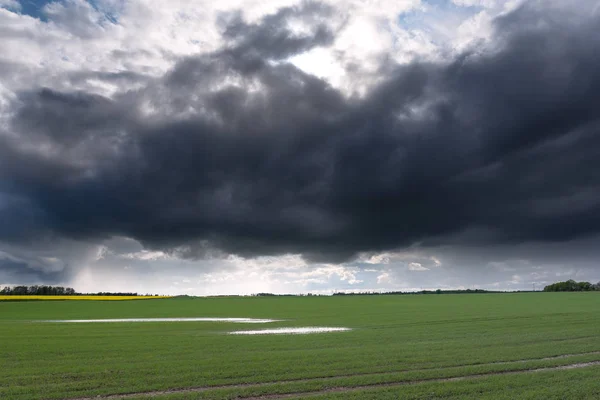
272,37
234,152
14,271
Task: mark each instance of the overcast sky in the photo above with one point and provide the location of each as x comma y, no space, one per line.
243,146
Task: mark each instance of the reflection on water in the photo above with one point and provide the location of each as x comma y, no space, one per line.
291,331
234,320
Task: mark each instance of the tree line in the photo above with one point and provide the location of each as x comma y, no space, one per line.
37,290
572,286
437,291
45,290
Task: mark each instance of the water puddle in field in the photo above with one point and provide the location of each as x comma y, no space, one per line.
291,331
233,320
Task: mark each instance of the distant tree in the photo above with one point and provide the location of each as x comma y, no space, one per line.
569,286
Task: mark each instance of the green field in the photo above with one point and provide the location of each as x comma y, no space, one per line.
479,346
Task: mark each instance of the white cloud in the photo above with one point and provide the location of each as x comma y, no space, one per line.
381,258
326,272
101,253
147,255
473,30
283,262
384,278
13,4
415,266
476,3
416,260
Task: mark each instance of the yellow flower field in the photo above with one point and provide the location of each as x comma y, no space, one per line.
26,297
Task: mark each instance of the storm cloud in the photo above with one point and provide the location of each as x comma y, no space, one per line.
238,151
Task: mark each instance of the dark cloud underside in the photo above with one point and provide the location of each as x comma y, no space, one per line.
240,151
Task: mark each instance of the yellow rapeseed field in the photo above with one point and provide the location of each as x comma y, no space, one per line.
26,297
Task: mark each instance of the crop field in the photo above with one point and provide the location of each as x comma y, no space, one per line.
472,346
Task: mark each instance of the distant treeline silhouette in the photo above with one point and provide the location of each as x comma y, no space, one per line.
438,291
286,295
572,286
37,290
44,290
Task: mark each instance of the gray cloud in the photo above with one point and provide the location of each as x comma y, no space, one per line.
272,37
235,152
40,263
14,272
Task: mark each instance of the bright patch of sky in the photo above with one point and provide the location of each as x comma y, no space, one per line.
439,18
40,8
33,8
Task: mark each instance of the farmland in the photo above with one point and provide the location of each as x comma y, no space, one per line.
479,346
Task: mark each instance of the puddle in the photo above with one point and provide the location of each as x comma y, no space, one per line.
233,320
291,331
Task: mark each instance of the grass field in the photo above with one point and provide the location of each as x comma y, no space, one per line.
484,346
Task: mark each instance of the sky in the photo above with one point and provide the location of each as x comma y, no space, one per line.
284,146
